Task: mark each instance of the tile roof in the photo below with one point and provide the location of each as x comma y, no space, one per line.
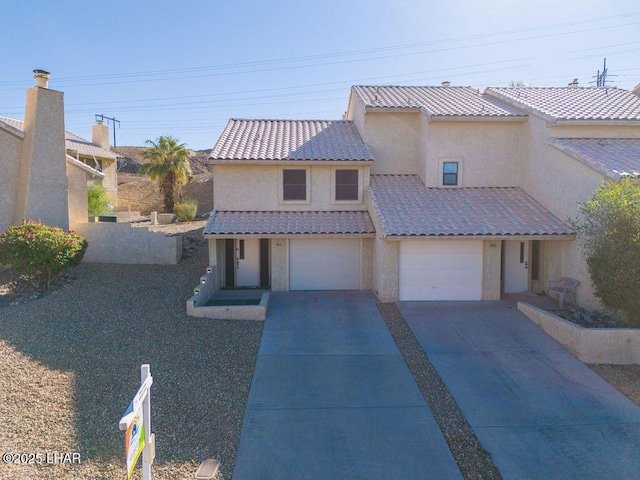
566,103
405,207
615,158
328,140
72,142
288,223
85,147
436,101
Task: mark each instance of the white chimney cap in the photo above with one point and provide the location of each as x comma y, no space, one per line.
42,78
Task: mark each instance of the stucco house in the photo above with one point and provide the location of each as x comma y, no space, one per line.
44,170
420,193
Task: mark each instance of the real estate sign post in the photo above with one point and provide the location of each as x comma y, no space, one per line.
137,424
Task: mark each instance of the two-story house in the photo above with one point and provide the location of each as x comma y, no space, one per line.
422,193
289,206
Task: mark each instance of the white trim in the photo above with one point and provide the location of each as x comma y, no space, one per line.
333,187
307,200
460,162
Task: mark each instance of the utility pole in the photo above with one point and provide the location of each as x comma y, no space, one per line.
102,118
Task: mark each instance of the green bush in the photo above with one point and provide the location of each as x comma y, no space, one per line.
186,211
609,234
39,253
97,200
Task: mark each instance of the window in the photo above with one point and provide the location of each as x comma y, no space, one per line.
450,173
347,185
294,184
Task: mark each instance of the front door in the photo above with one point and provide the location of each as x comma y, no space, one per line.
247,262
516,266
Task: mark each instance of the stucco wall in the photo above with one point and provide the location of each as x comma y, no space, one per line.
491,267
559,183
43,174
10,152
122,243
386,270
490,154
366,263
279,264
78,207
393,139
110,180
258,187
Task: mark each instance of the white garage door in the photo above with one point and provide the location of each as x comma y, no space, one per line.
324,264
441,270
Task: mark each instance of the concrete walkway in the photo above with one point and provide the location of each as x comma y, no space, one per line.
332,398
539,411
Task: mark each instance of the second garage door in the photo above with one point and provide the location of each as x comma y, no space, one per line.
440,270
324,264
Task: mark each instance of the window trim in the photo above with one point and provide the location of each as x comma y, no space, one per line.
307,199
457,161
333,187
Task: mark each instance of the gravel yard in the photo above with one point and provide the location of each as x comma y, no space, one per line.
70,364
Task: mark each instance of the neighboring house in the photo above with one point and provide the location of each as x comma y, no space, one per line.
422,193
39,178
96,154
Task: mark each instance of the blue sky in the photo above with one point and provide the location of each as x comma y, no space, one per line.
185,67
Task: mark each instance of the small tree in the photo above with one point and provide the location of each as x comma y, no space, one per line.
609,234
97,200
39,253
168,165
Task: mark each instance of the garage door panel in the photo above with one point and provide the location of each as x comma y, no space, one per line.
324,264
440,270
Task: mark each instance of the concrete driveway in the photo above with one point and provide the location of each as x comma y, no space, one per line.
539,411
332,398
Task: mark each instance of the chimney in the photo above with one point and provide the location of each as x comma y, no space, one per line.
574,84
446,84
42,174
100,134
42,78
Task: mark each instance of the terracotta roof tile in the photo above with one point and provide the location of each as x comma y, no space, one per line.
405,207
615,158
288,223
328,140
566,103
436,101
72,142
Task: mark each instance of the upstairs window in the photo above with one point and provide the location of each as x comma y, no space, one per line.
346,185
450,173
294,185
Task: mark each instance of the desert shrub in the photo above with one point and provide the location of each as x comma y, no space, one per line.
39,253
186,211
97,200
609,234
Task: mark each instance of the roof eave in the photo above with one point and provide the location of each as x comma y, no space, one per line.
91,171
16,132
221,236
259,161
597,122
528,236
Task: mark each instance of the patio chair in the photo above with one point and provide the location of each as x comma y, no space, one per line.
563,286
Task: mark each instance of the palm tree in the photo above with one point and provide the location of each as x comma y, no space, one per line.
168,164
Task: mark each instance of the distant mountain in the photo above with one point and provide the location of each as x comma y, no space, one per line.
133,159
